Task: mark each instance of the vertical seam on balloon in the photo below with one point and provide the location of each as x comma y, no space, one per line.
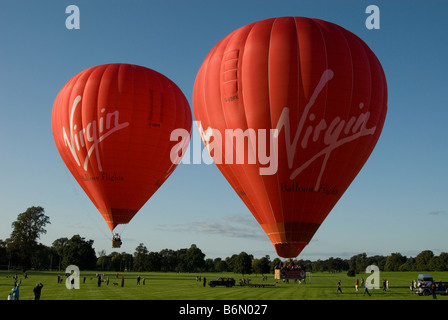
172,88
204,110
240,62
270,118
349,49
220,84
369,59
317,24
104,69
368,63
299,82
203,100
367,151
161,85
269,101
239,85
269,109
94,200
132,113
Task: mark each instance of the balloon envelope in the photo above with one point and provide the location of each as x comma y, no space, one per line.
111,125
290,109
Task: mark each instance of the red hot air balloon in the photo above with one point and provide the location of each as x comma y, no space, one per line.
111,125
298,105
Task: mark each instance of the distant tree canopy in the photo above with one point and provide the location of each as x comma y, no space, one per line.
78,251
22,250
26,231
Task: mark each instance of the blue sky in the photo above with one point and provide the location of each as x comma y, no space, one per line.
397,203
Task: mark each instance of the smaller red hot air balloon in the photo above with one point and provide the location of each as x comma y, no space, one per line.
111,125
308,100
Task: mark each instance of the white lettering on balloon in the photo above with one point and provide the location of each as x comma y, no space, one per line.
94,132
332,134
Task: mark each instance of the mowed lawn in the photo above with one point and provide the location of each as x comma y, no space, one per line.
183,286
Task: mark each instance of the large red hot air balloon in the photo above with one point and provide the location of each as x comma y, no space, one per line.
112,125
290,109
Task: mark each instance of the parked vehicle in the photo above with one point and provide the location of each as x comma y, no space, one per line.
424,282
228,282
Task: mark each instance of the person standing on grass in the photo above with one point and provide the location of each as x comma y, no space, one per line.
433,290
366,290
15,291
37,291
339,287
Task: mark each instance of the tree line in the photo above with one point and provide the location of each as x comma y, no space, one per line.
22,251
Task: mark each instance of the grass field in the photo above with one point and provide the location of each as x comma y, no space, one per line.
183,286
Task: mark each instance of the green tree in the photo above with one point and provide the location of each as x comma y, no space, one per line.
27,229
361,262
422,260
43,257
121,261
274,264
194,259
209,265
58,246
243,264
444,260
141,258
220,265
231,262
168,260
409,265
180,260
336,265
104,261
394,262
438,263
261,265
80,253
154,261
3,253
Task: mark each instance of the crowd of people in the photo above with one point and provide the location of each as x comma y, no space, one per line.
15,291
363,284
101,278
